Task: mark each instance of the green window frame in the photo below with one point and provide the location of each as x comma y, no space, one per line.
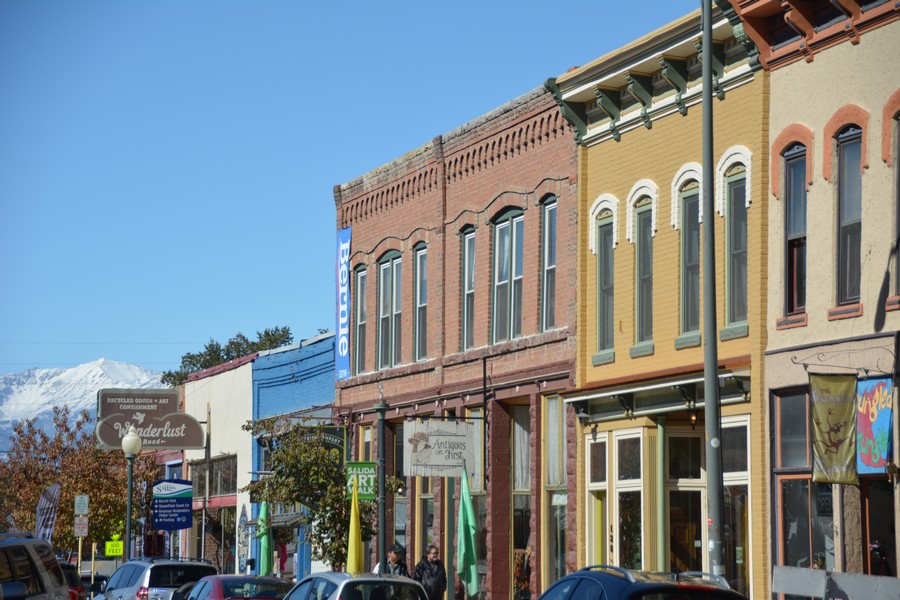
736,246
605,288
690,260
643,300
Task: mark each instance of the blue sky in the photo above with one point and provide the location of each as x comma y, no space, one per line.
167,166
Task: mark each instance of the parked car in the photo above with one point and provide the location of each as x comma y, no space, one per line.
29,569
359,586
155,578
76,585
605,582
93,583
223,587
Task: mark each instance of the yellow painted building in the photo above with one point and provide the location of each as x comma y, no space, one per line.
639,393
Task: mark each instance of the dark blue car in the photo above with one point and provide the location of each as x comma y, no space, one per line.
605,582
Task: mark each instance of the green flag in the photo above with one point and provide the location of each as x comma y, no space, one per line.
264,533
466,560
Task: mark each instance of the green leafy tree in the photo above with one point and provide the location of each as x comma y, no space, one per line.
68,456
307,471
214,353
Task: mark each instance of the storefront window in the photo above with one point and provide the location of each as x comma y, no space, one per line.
521,440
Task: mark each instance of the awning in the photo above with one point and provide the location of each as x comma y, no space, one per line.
280,521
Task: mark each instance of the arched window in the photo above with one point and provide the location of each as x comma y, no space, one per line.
509,231
359,320
420,276
794,158
548,265
468,288
849,234
689,196
390,305
736,251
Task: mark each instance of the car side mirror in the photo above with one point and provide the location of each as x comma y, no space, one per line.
13,590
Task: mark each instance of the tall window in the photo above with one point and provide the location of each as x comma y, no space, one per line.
556,495
628,501
736,479
736,217
805,512
468,299
644,272
605,282
795,228
389,307
421,339
359,347
849,143
508,253
596,509
548,305
521,455
690,258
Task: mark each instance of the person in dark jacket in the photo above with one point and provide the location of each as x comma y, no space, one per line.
431,574
395,562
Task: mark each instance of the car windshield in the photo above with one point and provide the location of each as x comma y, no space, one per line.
174,576
377,590
252,587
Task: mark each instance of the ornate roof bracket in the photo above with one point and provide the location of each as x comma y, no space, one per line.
675,72
718,66
641,87
737,26
610,102
573,112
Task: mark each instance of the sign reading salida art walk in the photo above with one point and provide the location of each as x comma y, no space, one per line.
154,414
436,448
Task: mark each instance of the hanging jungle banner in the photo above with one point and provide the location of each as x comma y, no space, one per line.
833,424
874,401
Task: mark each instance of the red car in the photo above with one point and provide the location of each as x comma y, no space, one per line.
223,587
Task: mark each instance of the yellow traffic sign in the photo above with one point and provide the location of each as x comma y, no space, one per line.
116,548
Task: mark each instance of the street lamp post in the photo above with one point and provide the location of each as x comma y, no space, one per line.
131,446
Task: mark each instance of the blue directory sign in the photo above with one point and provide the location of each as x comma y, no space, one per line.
172,499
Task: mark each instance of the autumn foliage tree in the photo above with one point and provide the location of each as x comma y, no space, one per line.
68,456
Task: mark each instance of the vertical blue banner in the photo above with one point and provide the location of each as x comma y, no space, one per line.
342,339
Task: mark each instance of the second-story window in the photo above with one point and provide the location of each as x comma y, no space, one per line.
605,282
736,242
849,143
548,304
421,277
508,254
390,286
644,271
795,228
690,258
468,290
359,346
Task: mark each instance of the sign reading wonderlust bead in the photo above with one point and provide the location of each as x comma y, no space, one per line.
436,448
154,414
342,341
172,500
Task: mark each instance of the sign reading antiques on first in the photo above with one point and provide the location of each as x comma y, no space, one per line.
154,414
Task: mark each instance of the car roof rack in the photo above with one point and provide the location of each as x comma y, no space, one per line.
627,574
711,578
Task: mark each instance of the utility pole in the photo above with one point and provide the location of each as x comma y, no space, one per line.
712,411
381,409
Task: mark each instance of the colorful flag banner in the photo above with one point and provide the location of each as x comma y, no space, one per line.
354,540
45,520
833,424
874,419
466,559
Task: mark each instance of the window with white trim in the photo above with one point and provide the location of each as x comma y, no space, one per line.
736,244
421,291
644,271
548,281
605,282
468,290
508,256
690,258
359,337
390,279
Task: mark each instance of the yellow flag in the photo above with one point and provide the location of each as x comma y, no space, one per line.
354,541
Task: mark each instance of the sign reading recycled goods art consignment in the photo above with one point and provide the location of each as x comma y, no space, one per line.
436,448
154,414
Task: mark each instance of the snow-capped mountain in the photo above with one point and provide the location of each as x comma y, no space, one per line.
34,393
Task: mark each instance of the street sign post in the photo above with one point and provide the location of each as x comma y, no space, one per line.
172,500
81,504
366,479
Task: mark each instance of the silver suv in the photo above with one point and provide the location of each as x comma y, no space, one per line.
29,569
358,586
155,578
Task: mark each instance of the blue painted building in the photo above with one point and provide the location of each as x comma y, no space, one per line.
296,380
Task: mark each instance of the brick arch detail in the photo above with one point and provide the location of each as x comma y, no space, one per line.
889,115
795,132
845,115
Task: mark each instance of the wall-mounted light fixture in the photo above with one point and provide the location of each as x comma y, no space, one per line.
581,412
626,401
693,419
743,384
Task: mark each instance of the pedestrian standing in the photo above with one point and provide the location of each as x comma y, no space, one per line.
395,563
431,574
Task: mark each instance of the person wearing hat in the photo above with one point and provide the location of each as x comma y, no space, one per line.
395,564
